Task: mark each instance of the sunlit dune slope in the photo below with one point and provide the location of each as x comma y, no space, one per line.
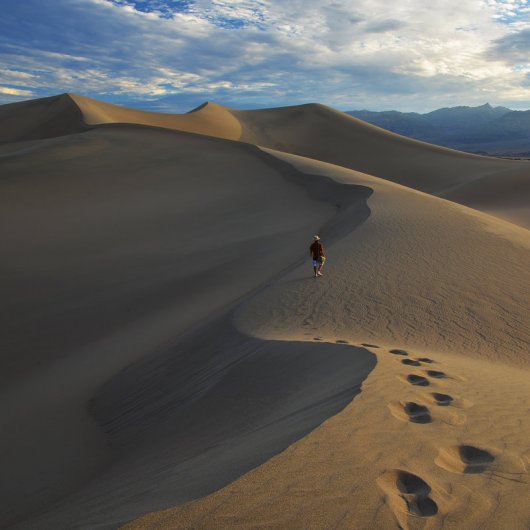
208,119
420,271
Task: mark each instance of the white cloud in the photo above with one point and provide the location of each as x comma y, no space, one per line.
348,53
15,91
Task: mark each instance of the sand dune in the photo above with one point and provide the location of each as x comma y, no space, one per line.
322,133
314,131
107,260
440,427
166,342
40,118
209,119
504,194
192,419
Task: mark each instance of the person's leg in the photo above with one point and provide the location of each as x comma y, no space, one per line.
319,270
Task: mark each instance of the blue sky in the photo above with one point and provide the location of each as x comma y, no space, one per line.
172,55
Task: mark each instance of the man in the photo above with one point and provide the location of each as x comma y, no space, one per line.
316,250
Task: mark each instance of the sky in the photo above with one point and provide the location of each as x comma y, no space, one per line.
173,55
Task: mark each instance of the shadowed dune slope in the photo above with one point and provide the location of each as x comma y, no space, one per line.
40,118
116,242
190,420
505,194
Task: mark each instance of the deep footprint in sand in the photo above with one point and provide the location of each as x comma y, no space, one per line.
369,345
417,413
342,341
464,459
408,494
411,362
425,360
417,380
410,411
436,374
443,400
399,352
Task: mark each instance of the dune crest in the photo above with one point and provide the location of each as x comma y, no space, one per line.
444,335
168,350
500,187
209,119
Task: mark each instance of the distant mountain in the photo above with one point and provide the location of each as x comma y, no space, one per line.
409,124
459,118
484,129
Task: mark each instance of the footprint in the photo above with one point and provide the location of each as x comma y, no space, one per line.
341,341
399,352
411,362
410,411
317,338
369,345
417,413
408,495
464,459
425,360
443,400
417,380
436,374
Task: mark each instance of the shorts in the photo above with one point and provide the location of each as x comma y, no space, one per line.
318,262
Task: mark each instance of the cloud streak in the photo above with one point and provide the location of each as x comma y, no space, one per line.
350,54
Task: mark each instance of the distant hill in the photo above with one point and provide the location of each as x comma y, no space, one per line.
484,129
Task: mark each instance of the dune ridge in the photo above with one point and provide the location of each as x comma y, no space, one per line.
133,262
209,119
170,350
498,186
422,427
323,133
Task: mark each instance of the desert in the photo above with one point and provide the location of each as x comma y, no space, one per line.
170,361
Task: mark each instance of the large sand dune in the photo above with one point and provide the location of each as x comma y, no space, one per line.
322,133
498,186
165,339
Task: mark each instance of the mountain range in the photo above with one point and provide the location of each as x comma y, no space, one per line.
483,130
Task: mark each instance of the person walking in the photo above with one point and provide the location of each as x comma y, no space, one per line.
316,250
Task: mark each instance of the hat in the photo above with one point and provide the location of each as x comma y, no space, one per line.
316,238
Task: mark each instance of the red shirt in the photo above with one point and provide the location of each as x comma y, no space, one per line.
317,250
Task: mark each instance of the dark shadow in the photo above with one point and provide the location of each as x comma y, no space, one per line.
192,419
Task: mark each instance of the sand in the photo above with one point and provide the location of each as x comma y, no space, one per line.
497,186
169,350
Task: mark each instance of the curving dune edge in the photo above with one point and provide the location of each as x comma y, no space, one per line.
170,351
